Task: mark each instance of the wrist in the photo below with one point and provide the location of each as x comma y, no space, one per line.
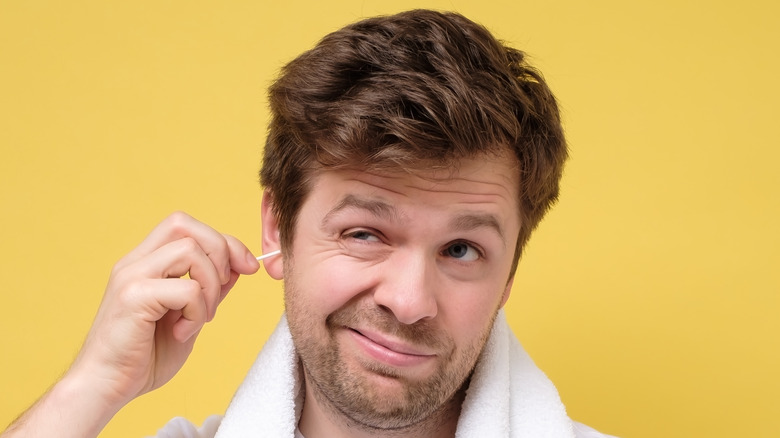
82,407
70,409
95,387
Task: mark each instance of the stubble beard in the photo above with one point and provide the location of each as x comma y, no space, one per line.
349,393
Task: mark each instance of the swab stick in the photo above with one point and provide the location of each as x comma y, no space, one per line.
270,254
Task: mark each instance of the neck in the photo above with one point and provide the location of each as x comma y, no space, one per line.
320,419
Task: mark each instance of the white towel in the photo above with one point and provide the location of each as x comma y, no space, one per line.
508,395
269,401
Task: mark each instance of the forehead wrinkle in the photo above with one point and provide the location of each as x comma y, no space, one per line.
469,186
376,208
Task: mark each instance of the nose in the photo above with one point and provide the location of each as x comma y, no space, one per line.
408,288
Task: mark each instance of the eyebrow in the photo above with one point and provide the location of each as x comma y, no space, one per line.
377,208
473,221
385,211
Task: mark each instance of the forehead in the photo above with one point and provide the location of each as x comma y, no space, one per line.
485,182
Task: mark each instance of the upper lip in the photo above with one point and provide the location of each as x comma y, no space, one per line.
393,344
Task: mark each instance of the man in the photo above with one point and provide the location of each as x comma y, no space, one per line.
408,160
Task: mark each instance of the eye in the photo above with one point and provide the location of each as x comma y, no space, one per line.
462,251
362,235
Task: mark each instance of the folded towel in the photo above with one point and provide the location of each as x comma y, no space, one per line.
269,401
508,395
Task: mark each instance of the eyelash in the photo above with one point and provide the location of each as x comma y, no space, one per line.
480,253
353,235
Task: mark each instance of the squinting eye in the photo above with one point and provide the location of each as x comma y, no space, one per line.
363,235
462,251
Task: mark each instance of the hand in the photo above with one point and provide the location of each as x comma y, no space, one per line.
145,328
151,315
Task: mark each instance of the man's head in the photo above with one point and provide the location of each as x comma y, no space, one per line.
413,91
408,160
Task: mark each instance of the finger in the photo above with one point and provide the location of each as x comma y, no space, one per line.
242,260
228,286
177,226
184,296
175,294
180,257
172,339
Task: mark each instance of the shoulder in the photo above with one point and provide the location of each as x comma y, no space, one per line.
583,431
180,427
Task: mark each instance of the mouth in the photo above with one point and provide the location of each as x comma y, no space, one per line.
388,350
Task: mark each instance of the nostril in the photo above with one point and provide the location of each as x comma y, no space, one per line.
385,309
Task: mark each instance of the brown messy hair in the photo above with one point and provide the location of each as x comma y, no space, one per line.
397,91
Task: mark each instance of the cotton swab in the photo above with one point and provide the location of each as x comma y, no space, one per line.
270,254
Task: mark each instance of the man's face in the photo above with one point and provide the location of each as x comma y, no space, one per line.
394,281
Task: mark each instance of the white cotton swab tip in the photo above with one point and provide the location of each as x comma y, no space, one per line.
270,254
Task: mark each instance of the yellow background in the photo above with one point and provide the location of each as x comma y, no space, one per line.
649,295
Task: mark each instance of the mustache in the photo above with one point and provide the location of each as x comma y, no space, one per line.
421,333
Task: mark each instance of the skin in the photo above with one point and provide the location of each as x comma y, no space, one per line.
397,285
145,327
392,285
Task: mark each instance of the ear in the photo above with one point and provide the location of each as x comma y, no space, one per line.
271,240
507,291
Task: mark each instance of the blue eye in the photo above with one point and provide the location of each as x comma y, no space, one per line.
462,251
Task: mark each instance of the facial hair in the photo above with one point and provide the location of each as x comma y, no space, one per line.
347,391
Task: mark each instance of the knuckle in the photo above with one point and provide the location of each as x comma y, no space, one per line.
188,245
132,292
193,289
120,275
179,221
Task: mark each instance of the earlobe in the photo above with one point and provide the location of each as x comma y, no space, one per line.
271,238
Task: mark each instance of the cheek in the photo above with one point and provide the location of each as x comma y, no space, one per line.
470,313
325,285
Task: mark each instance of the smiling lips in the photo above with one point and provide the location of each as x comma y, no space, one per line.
389,351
